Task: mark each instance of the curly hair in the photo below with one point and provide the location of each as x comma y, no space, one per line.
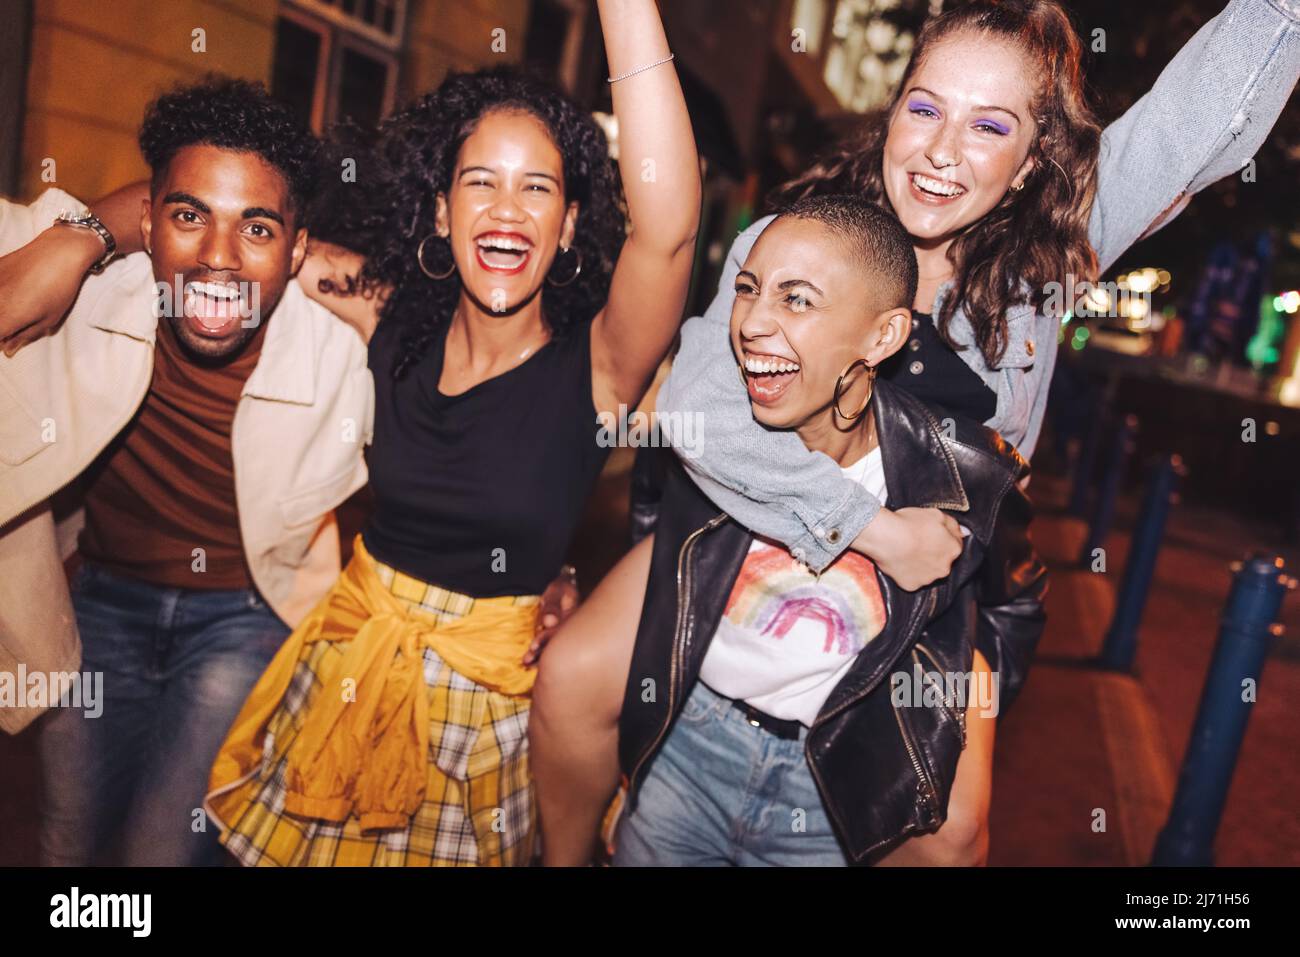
414,157
1031,238
236,115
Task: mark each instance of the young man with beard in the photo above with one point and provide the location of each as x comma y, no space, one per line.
211,418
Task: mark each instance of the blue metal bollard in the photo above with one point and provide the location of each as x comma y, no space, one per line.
1104,514
1245,633
1083,468
1121,639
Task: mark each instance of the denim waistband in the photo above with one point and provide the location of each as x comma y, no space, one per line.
94,574
727,711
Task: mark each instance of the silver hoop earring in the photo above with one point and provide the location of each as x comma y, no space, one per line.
577,269
419,259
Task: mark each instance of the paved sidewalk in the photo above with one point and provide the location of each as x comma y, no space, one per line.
1081,742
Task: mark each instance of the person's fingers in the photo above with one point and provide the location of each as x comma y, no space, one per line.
539,642
530,656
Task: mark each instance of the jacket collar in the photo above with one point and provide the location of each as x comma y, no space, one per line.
286,369
920,471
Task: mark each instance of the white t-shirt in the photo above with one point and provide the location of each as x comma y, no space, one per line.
787,637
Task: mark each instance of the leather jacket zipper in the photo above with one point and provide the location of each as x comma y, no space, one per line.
958,714
917,617
924,784
679,646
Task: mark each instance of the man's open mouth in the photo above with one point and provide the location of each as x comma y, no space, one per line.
501,252
214,307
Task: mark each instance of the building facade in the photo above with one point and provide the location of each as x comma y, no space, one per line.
89,68
768,82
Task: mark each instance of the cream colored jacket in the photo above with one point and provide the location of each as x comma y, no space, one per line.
302,421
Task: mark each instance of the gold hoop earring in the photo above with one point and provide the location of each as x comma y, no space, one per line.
419,259
839,387
1017,187
576,269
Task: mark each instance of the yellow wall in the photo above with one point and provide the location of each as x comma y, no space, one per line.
447,35
95,66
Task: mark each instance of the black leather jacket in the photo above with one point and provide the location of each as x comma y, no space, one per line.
883,771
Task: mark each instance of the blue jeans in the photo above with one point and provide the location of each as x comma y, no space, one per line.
724,792
128,786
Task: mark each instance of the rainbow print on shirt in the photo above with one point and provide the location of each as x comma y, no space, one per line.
773,593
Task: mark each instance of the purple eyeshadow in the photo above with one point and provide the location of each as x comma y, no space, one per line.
920,104
1004,130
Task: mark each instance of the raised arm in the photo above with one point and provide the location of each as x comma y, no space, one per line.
121,211
661,179
768,480
329,274
44,265
1204,118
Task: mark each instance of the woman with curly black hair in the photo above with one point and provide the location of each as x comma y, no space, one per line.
391,727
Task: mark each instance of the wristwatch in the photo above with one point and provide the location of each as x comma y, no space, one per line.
89,220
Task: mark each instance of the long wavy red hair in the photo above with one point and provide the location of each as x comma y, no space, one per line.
1033,237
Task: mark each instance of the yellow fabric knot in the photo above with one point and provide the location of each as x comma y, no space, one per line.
363,747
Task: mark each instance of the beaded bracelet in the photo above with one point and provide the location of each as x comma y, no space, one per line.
642,69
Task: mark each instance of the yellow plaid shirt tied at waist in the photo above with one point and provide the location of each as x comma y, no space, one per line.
363,748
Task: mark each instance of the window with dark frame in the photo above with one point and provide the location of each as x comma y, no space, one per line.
338,59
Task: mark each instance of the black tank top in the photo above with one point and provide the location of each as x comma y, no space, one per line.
929,369
481,492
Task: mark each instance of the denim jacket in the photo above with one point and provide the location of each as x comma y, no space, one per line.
1207,114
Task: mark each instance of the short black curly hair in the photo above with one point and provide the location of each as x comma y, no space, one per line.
236,115
413,158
